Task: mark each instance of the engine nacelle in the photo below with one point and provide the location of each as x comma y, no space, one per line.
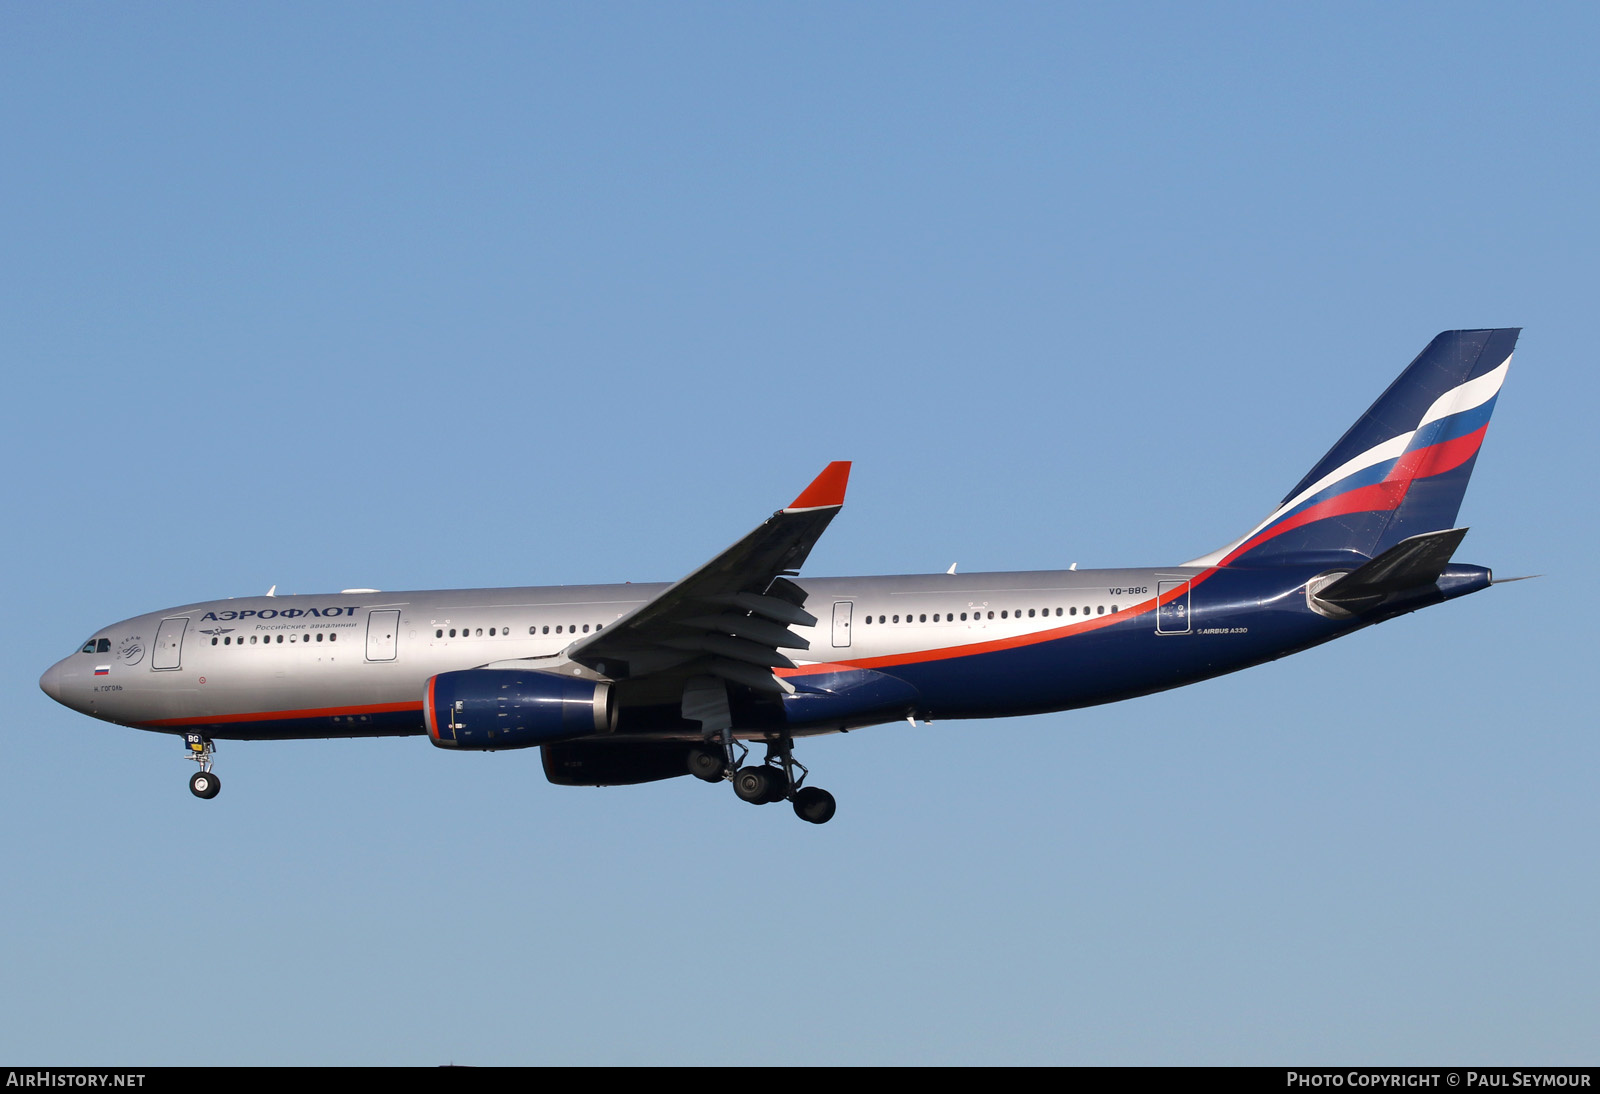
615,763
489,709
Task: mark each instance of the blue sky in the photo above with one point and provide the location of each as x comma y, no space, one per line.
413,296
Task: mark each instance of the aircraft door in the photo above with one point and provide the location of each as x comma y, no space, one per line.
169,644
383,628
841,624
1172,616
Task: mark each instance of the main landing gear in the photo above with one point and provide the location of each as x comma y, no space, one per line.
202,784
773,780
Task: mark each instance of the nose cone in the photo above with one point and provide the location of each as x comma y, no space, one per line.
50,682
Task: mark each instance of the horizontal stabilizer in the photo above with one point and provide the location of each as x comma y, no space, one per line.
1412,563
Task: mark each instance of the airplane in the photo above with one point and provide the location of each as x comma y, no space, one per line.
633,683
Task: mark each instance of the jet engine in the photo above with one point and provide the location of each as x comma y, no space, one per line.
488,709
615,763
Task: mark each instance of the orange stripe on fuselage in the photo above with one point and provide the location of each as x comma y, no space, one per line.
1032,638
273,715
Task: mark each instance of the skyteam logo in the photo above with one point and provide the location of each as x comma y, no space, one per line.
131,650
282,613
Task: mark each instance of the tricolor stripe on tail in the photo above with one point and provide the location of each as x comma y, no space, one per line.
1402,469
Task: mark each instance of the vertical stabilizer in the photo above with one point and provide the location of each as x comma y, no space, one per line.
1402,469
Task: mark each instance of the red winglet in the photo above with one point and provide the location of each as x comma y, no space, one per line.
826,489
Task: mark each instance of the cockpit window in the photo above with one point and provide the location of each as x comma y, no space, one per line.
88,647
97,645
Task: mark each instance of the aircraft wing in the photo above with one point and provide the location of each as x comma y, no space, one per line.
731,617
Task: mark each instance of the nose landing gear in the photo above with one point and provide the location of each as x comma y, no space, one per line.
202,784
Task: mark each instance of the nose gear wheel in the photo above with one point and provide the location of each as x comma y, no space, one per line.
203,783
